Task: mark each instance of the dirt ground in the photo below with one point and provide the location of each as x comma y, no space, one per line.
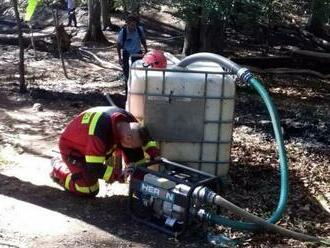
36,212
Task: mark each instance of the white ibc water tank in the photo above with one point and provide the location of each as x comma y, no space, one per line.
189,111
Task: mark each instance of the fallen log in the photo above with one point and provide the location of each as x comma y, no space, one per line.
95,59
43,41
311,54
289,71
39,35
298,59
322,43
12,39
265,62
294,35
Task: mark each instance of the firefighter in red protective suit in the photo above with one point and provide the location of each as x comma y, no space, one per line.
87,146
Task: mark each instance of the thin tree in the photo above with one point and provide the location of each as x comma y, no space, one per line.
58,41
106,17
132,6
22,84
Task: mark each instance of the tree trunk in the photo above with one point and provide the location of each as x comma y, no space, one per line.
191,39
203,34
204,37
132,6
106,17
59,41
22,85
212,37
320,15
94,32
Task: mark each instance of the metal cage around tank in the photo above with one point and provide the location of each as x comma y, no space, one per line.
188,110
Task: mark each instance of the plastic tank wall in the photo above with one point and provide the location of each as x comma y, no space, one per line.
188,111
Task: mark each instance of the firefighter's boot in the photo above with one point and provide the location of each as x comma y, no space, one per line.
59,171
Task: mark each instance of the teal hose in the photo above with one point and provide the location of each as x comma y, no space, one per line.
277,214
246,76
281,149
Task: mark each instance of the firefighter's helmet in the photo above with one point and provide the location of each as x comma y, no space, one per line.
155,59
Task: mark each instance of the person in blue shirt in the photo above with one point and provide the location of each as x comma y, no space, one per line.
129,41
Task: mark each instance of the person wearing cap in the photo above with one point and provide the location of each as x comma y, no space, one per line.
130,40
91,141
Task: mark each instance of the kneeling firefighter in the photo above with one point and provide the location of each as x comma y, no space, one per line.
88,145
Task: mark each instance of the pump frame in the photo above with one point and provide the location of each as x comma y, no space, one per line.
206,179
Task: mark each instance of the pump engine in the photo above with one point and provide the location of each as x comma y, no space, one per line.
169,199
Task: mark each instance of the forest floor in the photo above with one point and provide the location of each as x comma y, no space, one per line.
36,212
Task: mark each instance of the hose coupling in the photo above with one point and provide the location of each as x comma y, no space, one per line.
204,194
244,74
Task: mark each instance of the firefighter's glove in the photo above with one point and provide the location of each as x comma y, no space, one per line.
153,153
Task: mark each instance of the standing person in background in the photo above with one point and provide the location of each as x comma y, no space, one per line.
129,41
71,13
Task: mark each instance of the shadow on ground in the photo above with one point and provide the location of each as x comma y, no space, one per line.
109,214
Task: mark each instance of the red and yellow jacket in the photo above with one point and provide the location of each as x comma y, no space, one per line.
92,136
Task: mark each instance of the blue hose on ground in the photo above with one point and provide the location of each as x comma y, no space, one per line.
246,76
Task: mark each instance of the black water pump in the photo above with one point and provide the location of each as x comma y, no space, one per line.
171,198
176,198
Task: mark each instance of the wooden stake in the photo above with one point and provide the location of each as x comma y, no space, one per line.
59,47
